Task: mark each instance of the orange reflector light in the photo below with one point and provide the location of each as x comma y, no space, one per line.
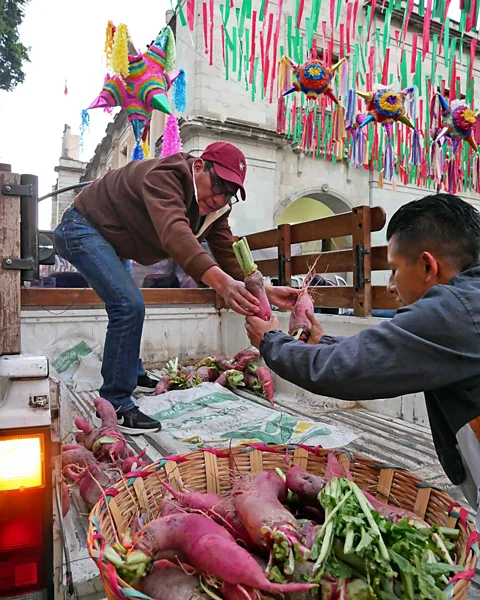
21,462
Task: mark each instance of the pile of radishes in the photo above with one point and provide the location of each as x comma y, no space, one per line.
296,536
247,544
243,370
98,459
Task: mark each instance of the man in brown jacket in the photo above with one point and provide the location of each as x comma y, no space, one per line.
146,211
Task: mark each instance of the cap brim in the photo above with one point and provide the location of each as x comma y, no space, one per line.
230,176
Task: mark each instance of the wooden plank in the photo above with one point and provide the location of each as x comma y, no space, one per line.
334,226
327,262
362,301
76,298
285,254
333,296
383,299
379,258
269,267
263,239
10,342
321,229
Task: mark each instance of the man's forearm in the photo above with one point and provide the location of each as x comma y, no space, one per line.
215,278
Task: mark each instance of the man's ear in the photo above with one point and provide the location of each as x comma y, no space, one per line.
430,265
198,165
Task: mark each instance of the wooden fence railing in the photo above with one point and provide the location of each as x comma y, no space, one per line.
360,260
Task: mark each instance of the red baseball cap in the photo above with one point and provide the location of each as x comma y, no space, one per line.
229,163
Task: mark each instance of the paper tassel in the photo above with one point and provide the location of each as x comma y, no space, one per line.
145,148
388,161
180,92
84,125
171,57
119,58
137,153
109,35
416,154
172,142
351,107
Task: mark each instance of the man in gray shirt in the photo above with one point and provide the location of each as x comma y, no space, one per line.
432,344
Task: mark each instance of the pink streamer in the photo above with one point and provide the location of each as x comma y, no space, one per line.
426,29
212,14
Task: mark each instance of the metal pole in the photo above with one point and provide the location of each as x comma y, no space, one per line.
65,189
29,226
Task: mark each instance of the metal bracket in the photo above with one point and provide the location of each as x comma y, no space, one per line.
360,279
17,189
18,264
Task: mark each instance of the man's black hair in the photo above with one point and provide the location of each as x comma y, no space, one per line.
440,223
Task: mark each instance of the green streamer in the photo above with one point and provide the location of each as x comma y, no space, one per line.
234,50
453,49
337,18
403,70
289,36
316,6
245,59
421,8
183,20
297,9
446,36
309,29
386,29
262,11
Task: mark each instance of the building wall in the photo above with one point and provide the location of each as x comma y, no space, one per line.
70,169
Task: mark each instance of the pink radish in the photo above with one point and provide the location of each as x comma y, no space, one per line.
209,548
259,501
253,278
263,385
219,508
65,499
164,385
305,485
299,325
134,462
106,442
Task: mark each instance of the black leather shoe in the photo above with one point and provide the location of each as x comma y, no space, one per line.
146,383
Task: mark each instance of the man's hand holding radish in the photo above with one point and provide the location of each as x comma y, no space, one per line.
257,328
282,297
316,332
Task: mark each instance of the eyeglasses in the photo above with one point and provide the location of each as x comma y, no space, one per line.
219,187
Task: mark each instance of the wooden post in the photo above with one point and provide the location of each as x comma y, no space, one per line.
362,262
284,254
9,280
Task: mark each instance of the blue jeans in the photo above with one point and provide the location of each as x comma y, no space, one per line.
110,276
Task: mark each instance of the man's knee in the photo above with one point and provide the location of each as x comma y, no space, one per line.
129,306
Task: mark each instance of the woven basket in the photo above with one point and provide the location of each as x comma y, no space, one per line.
209,470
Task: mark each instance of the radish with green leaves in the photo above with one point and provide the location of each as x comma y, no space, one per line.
253,278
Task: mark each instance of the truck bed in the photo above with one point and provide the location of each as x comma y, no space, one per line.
380,437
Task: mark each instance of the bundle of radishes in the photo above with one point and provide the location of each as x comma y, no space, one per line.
299,325
294,537
243,370
98,459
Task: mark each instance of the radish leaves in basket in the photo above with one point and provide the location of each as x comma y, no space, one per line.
396,560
